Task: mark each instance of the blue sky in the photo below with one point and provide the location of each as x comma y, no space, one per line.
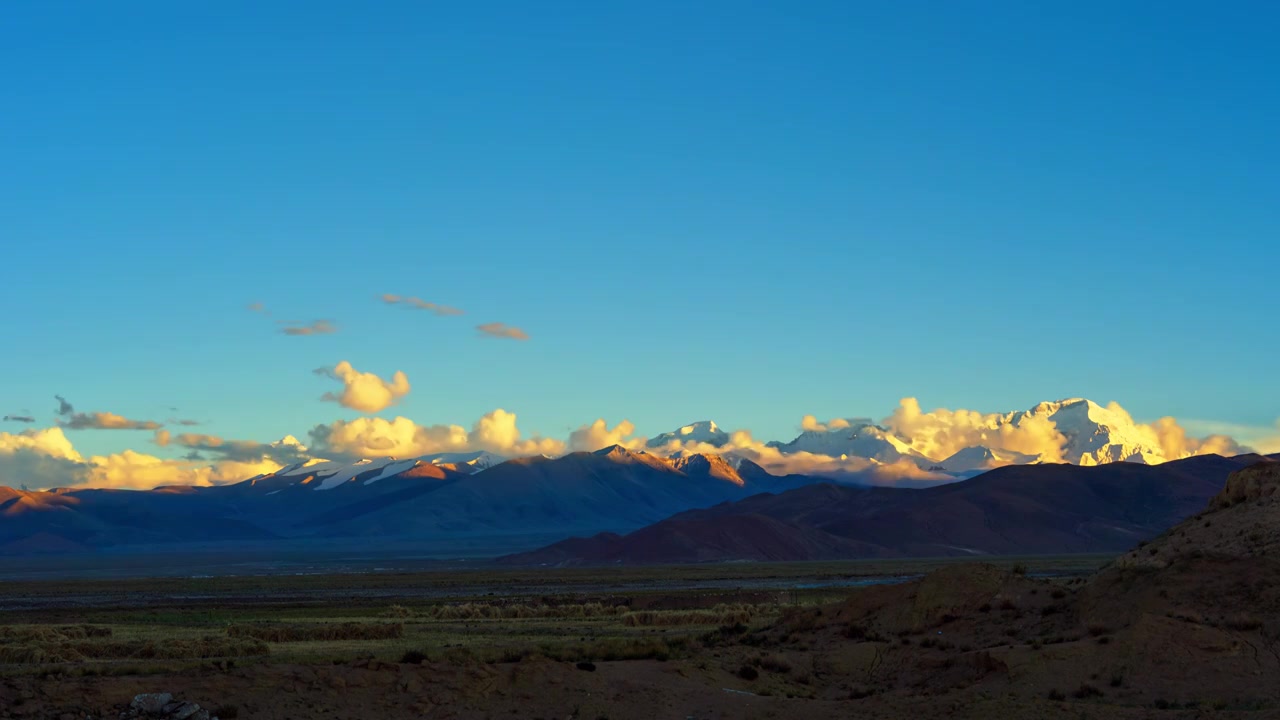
695,210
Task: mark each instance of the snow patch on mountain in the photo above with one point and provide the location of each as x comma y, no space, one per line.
865,440
979,457
704,431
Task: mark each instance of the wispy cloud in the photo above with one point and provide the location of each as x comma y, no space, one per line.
72,420
184,422
364,391
247,451
318,327
420,304
258,308
502,330
19,418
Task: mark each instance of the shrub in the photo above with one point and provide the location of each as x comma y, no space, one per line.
1056,695
1020,569
1086,691
412,657
587,666
746,672
775,663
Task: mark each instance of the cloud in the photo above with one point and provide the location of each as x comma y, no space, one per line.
599,435
420,304
40,459
401,437
105,421
365,391
183,422
19,418
501,330
69,418
46,459
283,452
1262,438
318,327
941,433
743,444
810,423
258,308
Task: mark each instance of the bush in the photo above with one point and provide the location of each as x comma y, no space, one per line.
1020,569
1086,691
1056,695
587,666
775,663
411,657
746,672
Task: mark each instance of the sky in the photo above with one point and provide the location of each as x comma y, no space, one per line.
660,212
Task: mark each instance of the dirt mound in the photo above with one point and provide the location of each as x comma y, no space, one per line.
1241,521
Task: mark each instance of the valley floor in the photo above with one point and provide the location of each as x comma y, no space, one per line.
721,641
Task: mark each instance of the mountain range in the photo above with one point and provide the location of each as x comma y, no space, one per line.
1037,509
521,503
373,502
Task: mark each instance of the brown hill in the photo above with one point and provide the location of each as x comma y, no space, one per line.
1029,509
1188,621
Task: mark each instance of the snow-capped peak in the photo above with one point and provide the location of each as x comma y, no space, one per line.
704,431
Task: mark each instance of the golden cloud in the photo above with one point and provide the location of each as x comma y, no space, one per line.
599,435
401,437
365,391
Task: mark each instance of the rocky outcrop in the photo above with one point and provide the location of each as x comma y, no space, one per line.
163,706
1252,484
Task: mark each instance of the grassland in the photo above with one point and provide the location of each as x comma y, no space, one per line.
580,614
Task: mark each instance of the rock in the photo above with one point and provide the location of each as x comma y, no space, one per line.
150,703
186,711
1251,484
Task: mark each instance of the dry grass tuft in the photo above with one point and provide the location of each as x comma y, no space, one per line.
83,650
316,632
719,615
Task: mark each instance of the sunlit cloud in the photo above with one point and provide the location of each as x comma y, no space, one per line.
502,330
941,433
283,452
599,435
45,458
420,304
809,423
495,432
364,391
258,308
72,420
1262,438
318,327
